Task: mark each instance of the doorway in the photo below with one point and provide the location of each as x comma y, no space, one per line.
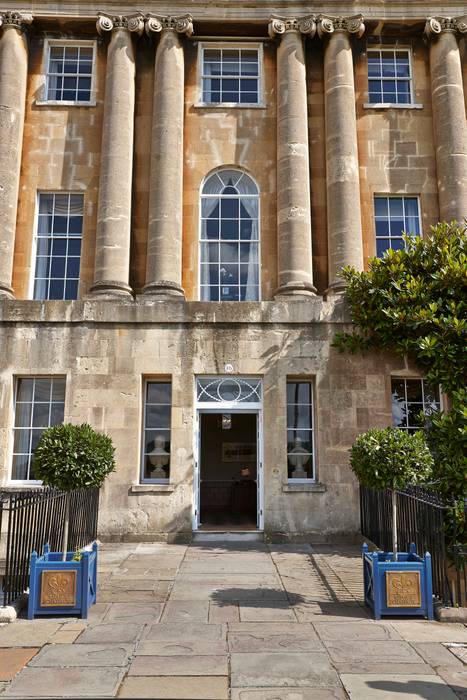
228,470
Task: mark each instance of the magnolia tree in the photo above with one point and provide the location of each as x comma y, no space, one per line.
392,459
70,457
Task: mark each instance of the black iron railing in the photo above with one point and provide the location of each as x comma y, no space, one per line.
29,519
421,519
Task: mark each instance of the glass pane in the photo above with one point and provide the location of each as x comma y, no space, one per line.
397,227
56,289
71,290
23,414
210,208
40,289
72,268
229,294
229,274
59,246
397,244
299,416
40,415
57,268
411,206
414,415
388,65
36,436
396,209
42,389
159,392
246,229
229,208
382,227
299,465
382,244
58,389
24,390
229,229
431,394
211,229
299,441
74,247
157,416
299,392
60,225
20,467
57,413
46,204
414,390
229,252
212,252
381,206
150,439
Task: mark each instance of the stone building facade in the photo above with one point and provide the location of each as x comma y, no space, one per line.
180,185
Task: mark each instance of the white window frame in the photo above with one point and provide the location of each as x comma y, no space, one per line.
16,377
311,382
200,229
48,43
142,478
258,46
395,195
32,276
397,105
405,378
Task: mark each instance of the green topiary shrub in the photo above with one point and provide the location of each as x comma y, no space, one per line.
70,457
392,459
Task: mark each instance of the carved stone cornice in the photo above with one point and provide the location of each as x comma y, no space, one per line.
302,25
182,24
351,25
108,23
437,25
18,20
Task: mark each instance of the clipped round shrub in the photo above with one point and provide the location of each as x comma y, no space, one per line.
71,457
390,458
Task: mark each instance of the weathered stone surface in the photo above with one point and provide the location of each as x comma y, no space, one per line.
220,612
188,610
182,647
436,654
176,665
388,652
88,655
330,631
177,688
423,631
266,611
456,678
271,637
288,694
66,682
278,669
33,633
132,612
111,633
12,660
386,687
186,631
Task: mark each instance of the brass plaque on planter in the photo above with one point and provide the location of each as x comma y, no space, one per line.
58,588
403,589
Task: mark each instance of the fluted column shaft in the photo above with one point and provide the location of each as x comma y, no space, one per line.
13,83
345,246
449,120
112,266
164,252
295,264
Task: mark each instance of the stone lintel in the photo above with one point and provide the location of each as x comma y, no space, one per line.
108,23
182,24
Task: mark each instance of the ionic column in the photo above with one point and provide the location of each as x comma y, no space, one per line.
13,83
112,266
164,253
295,264
345,246
449,122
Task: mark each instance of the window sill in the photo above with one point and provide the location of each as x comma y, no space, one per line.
23,486
152,488
391,105
303,486
63,103
228,105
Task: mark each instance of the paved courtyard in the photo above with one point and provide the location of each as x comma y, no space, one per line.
246,622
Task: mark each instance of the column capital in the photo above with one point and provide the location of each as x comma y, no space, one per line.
18,20
108,23
437,25
351,25
301,25
182,24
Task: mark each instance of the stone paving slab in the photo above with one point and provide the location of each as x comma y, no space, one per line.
177,665
137,613
182,647
387,687
178,688
288,694
270,637
266,611
362,630
222,612
282,669
436,654
28,633
179,631
457,679
400,669
186,610
123,596
100,655
424,631
65,682
13,660
111,633
387,652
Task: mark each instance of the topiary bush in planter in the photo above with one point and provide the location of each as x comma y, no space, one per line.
68,457
392,459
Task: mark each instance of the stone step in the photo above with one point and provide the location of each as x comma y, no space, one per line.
228,536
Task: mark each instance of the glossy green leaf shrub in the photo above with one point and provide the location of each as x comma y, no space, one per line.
71,457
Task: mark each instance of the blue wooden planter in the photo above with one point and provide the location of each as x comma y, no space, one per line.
59,587
390,586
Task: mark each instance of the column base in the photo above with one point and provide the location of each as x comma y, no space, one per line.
295,290
6,292
164,290
110,289
336,289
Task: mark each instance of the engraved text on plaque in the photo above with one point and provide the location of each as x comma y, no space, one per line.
403,589
58,588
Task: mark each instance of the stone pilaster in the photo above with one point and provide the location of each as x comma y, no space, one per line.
164,253
345,246
112,266
449,122
295,264
13,83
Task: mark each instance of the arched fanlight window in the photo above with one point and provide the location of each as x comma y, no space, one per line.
229,254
